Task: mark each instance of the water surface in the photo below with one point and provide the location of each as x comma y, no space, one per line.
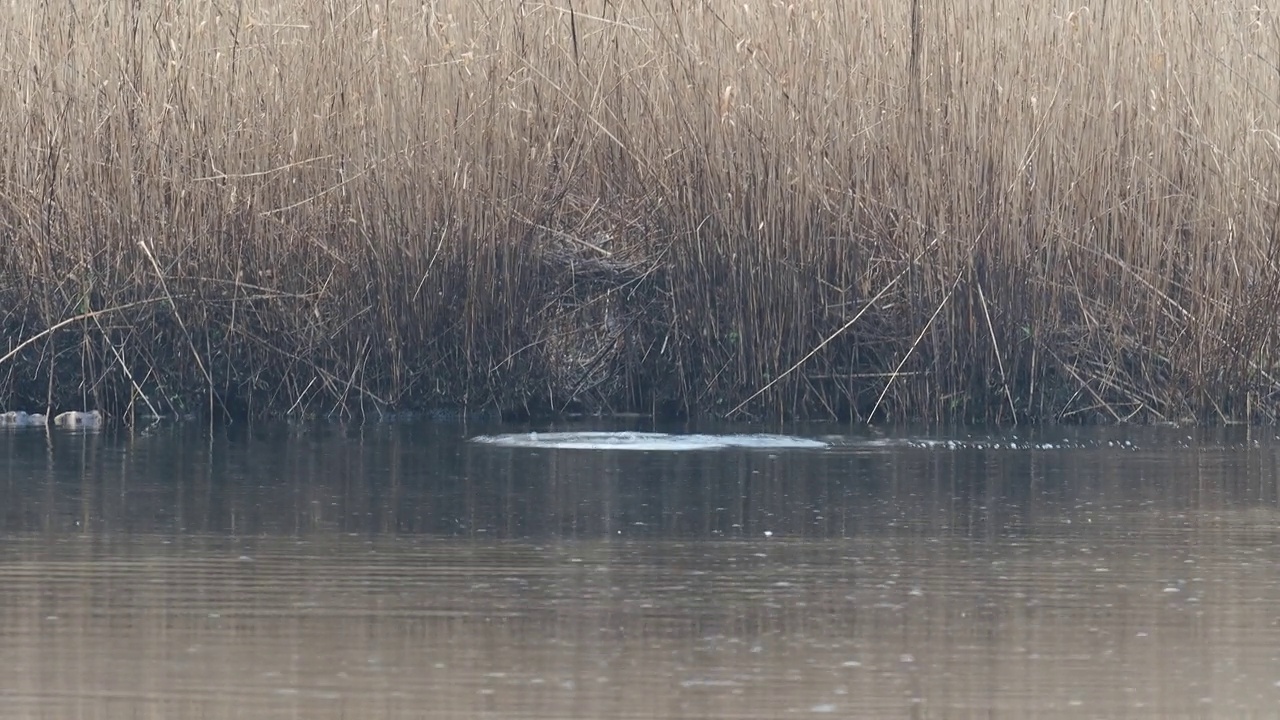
401,571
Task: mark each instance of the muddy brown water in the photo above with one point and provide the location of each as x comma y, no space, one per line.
399,571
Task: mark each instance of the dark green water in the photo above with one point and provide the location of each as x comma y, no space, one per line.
398,571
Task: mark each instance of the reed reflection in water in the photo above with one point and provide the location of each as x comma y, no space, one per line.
399,572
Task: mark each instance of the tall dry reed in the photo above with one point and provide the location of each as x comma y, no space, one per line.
931,210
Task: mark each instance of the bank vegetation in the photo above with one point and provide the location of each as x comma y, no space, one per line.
933,210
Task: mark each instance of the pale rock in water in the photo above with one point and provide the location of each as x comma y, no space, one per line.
74,419
18,418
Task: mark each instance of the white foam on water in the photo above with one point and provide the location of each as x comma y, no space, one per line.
645,441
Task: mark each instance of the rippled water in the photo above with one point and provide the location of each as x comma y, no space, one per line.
649,441
401,571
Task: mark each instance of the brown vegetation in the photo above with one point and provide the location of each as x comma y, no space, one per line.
929,210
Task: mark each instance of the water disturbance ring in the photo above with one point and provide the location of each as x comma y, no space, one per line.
647,441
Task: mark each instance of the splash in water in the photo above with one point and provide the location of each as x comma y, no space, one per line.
647,441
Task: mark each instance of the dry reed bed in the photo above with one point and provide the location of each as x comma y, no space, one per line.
931,210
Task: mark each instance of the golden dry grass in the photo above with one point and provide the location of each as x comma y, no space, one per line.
930,210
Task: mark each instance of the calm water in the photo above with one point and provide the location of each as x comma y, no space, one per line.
398,571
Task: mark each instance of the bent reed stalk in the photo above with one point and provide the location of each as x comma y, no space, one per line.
668,207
